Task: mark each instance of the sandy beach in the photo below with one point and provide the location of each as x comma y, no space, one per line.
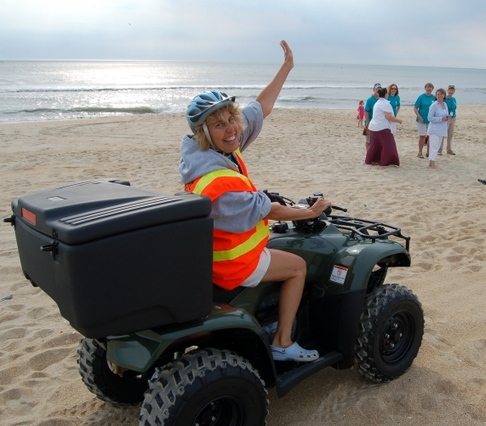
300,151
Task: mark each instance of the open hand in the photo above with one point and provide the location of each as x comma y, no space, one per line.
288,55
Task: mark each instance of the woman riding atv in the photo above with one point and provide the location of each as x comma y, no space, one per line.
212,165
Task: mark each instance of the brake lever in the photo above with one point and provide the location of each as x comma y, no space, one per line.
328,211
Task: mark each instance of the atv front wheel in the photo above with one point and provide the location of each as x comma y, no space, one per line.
208,387
127,389
390,335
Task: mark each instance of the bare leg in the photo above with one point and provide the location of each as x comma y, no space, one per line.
291,269
367,141
450,133
421,142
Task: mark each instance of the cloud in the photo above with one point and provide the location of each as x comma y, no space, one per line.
413,32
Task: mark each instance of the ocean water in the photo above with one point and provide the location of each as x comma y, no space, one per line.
61,90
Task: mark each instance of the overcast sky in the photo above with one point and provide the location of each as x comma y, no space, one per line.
445,33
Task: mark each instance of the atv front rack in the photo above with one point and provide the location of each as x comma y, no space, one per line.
368,228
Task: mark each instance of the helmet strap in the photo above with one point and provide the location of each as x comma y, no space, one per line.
208,136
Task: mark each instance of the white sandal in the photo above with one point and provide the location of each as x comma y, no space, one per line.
293,353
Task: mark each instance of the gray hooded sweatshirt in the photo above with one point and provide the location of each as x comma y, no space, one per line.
232,211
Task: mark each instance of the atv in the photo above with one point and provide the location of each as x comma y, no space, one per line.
204,358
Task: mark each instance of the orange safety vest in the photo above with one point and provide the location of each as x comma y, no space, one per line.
235,255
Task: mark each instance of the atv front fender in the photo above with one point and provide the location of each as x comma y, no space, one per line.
139,351
362,258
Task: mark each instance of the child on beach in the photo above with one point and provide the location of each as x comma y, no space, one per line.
361,112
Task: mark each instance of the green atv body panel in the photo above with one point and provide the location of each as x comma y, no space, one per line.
138,351
354,255
330,250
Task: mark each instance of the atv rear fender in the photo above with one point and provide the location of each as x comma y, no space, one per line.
225,327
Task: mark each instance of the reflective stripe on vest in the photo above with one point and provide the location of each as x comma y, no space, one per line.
207,179
252,242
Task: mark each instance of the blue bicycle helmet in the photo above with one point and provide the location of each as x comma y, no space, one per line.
204,105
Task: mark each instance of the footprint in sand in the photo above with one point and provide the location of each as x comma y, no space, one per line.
10,375
19,285
94,412
424,266
37,313
13,333
70,339
436,340
13,394
43,360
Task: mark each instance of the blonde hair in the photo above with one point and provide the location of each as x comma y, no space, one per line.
233,109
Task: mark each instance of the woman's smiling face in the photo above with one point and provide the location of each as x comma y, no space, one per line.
224,133
439,95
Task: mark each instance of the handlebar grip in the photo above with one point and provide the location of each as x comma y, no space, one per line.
339,208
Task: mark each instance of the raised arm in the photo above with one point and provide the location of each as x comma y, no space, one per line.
269,95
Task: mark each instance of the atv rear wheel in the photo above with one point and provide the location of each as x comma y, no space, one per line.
106,385
208,387
391,330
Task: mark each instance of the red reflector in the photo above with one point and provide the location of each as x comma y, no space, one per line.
27,215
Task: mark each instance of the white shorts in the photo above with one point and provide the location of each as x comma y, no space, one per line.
422,128
254,279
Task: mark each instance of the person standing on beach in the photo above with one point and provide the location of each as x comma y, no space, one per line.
370,103
383,148
211,164
394,98
360,113
421,110
438,116
450,100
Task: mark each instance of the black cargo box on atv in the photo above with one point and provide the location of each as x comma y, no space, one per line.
117,259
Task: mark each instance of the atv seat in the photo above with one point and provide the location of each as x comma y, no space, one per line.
222,295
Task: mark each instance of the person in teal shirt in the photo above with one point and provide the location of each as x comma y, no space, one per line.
451,103
370,103
421,110
393,98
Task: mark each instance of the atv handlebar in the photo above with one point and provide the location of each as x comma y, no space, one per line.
275,197
313,225
367,229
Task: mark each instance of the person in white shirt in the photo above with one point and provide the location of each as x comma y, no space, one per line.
383,148
437,129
